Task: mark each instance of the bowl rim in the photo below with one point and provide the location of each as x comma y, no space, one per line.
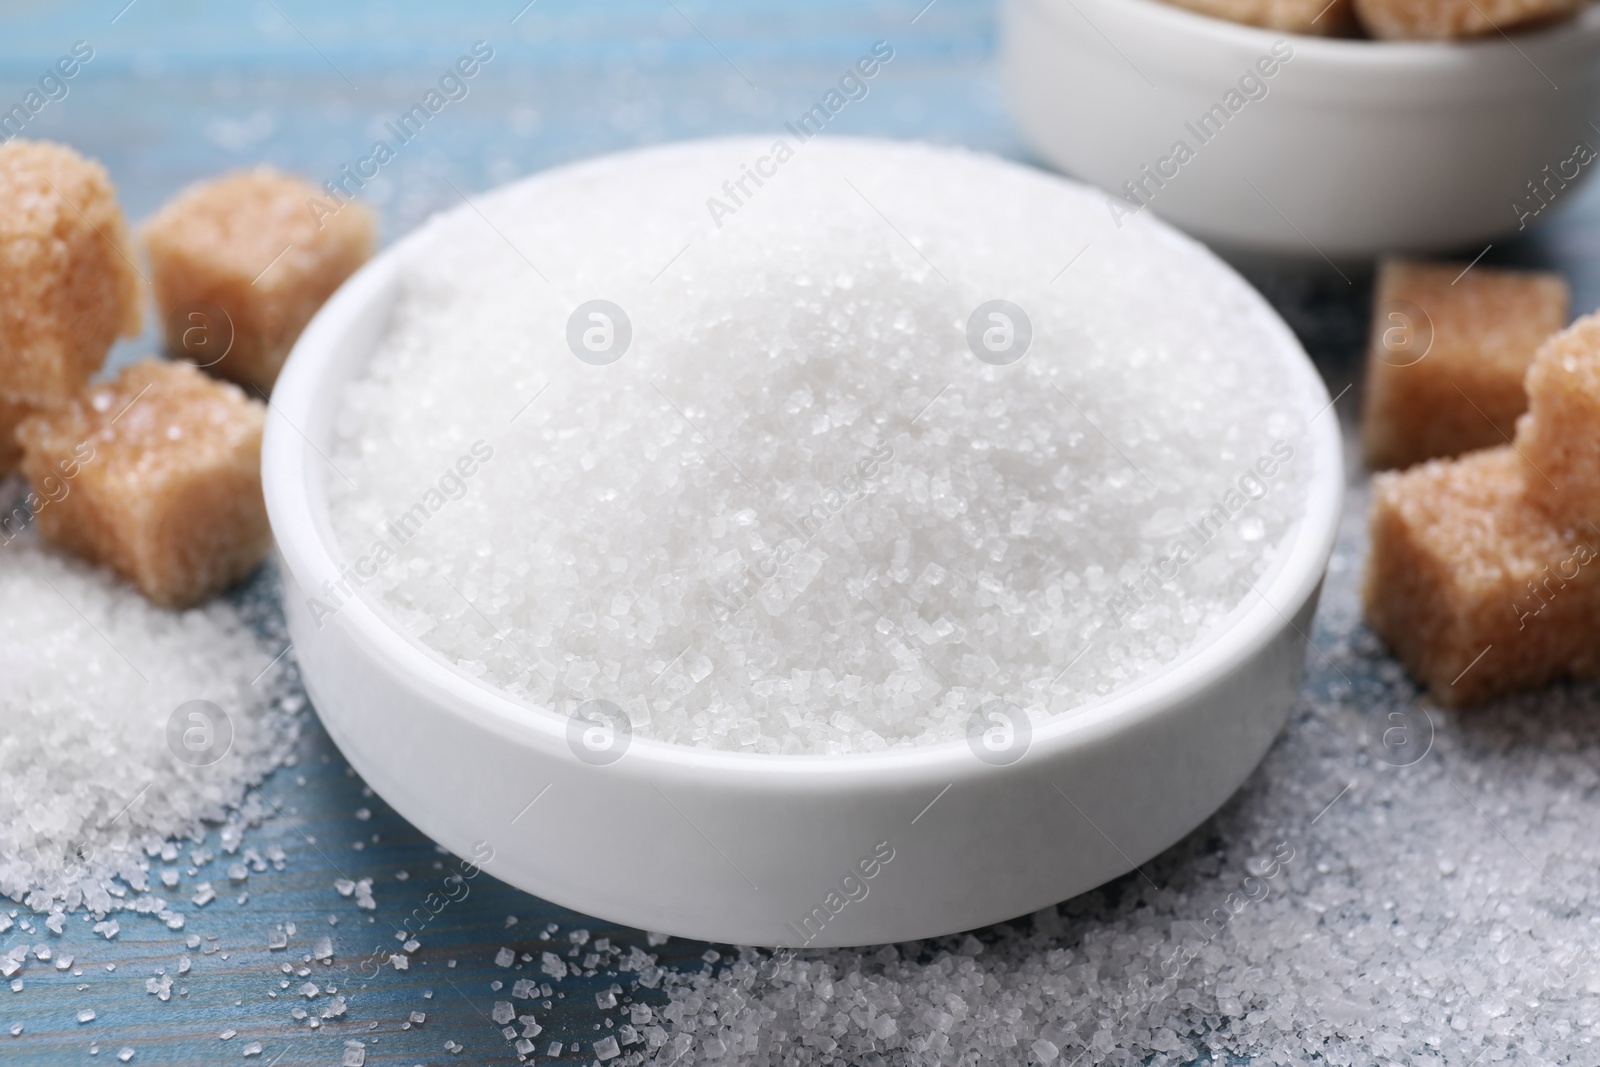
307,545
1356,53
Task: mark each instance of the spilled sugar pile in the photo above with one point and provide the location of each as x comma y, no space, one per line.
95,692
1393,886
798,513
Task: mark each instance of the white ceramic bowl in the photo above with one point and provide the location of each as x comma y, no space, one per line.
1358,147
743,848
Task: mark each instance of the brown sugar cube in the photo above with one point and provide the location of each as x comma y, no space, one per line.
11,413
242,262
1560,435
1317,17
1447,354
162,469
1478,592
1445,19
1449,19
67,286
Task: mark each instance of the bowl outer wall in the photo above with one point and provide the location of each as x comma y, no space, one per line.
1358,148
739,848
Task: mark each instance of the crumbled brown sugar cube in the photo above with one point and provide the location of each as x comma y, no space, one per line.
1478,592
1447,354
1560,435
11,413
67,285
1445,19
162,477
1318,17
241,263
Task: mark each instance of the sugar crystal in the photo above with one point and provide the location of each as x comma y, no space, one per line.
91,677
785,473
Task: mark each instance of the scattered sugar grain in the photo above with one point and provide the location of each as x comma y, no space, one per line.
90,674
607,543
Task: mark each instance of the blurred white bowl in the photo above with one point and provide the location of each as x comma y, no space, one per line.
1357,147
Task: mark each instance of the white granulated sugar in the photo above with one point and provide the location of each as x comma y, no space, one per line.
1391,887
90,675
799,515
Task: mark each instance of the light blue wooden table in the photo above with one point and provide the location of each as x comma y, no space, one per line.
177,90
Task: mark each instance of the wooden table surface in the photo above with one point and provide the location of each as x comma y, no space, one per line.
179,90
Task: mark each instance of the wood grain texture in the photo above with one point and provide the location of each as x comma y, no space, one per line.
180,90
